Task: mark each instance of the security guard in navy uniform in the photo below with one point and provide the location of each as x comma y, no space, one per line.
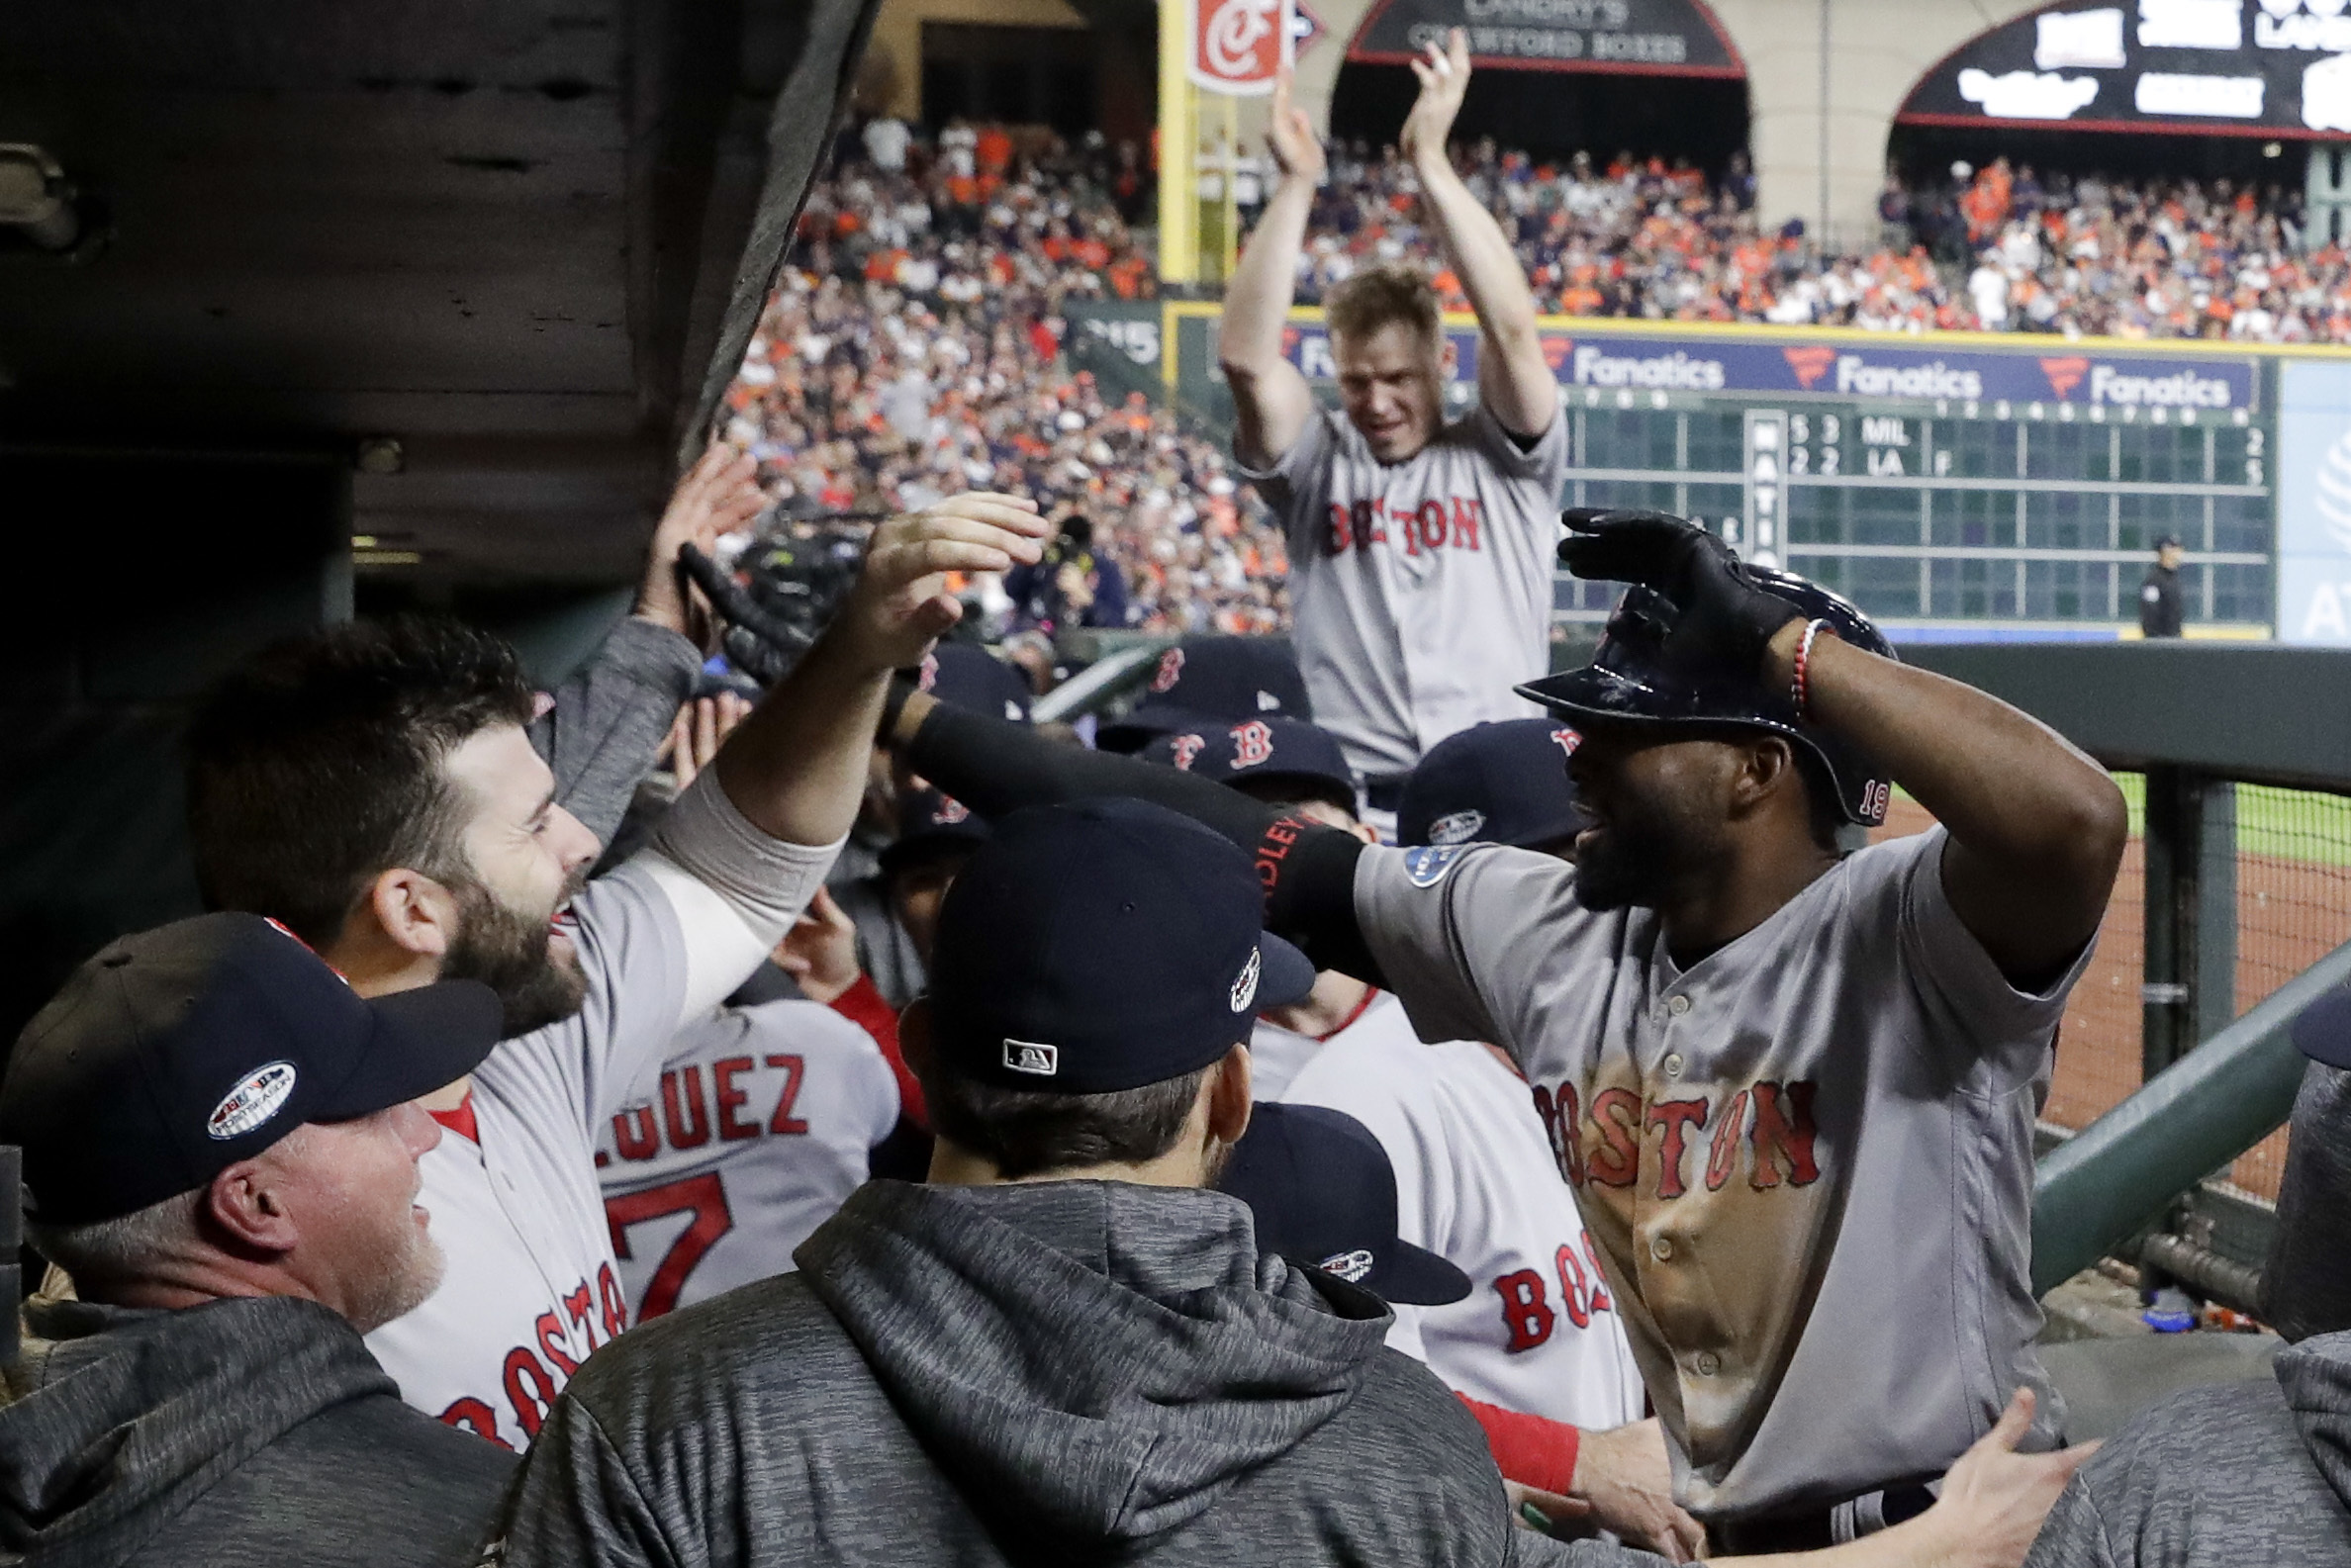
2161,610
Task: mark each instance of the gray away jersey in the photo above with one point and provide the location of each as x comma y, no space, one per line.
1807,1159
1422,590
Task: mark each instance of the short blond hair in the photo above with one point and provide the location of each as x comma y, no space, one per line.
1372,298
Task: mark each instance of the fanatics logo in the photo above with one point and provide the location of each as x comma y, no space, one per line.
1459,828
1026,1056
1246,986
254,1101
1349,1266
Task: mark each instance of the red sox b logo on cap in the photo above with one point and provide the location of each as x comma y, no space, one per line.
1170,666
1185,748
1253,743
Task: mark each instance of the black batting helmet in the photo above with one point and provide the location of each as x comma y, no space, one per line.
1629,679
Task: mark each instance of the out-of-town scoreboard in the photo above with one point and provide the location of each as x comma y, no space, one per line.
1964,483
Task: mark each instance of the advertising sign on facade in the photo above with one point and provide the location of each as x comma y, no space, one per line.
2257,68
2057,373
1238,45
2315,501
1660,38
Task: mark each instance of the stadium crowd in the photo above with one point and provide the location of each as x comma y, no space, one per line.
912,349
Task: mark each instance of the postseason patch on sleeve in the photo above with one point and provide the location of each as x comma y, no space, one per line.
1426,865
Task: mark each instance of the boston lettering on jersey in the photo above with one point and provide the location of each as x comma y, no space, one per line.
1456,522
1527,1311
564,1338
1763,1132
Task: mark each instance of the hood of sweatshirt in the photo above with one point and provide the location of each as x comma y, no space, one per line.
2316,1377
1104,1359
121,1417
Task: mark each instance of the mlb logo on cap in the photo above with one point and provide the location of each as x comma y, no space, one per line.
1027,1056
1099,945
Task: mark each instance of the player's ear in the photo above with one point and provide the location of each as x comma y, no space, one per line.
1230,1097
1767,768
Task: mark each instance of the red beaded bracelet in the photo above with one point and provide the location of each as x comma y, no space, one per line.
1800,688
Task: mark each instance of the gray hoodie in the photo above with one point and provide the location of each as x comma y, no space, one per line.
1056,1372
2227,1474
242,1433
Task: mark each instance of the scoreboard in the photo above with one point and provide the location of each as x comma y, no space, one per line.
1963,485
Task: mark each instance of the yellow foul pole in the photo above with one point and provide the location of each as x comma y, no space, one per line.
1179,203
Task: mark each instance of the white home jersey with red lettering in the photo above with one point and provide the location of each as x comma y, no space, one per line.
531,1286
1477,1186
763,1121
1422,590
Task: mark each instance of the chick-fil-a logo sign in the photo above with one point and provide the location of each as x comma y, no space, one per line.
1239,46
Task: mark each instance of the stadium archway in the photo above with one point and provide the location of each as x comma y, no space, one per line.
1558,76
2212,92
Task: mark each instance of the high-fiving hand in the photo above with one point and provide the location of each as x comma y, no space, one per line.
1444,77
719,494
900,603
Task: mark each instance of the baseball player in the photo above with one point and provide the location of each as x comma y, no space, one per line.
452,861
1536,1349
1420,547
1793,1090
763,1121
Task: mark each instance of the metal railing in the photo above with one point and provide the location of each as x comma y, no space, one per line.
2239,754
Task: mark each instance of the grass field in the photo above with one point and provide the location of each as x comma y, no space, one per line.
2288,824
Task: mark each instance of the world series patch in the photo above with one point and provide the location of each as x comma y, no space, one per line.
1426,865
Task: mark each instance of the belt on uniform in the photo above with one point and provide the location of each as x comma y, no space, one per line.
1815,1528
1385,792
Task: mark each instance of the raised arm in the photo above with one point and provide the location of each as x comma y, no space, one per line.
608,720
796,769
1512,377
1271,398
2037,827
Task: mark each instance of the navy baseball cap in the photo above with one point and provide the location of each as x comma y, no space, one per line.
1288,749
967,675
1494,783
1103,945
176,1053
1205,683
1323,1192
930,822
2322,1030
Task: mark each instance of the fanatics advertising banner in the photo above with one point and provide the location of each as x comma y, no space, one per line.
1658,37
2052,371
2247,67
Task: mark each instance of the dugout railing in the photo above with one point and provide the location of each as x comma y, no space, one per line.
2234,911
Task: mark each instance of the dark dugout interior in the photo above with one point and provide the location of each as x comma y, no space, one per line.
1553,114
